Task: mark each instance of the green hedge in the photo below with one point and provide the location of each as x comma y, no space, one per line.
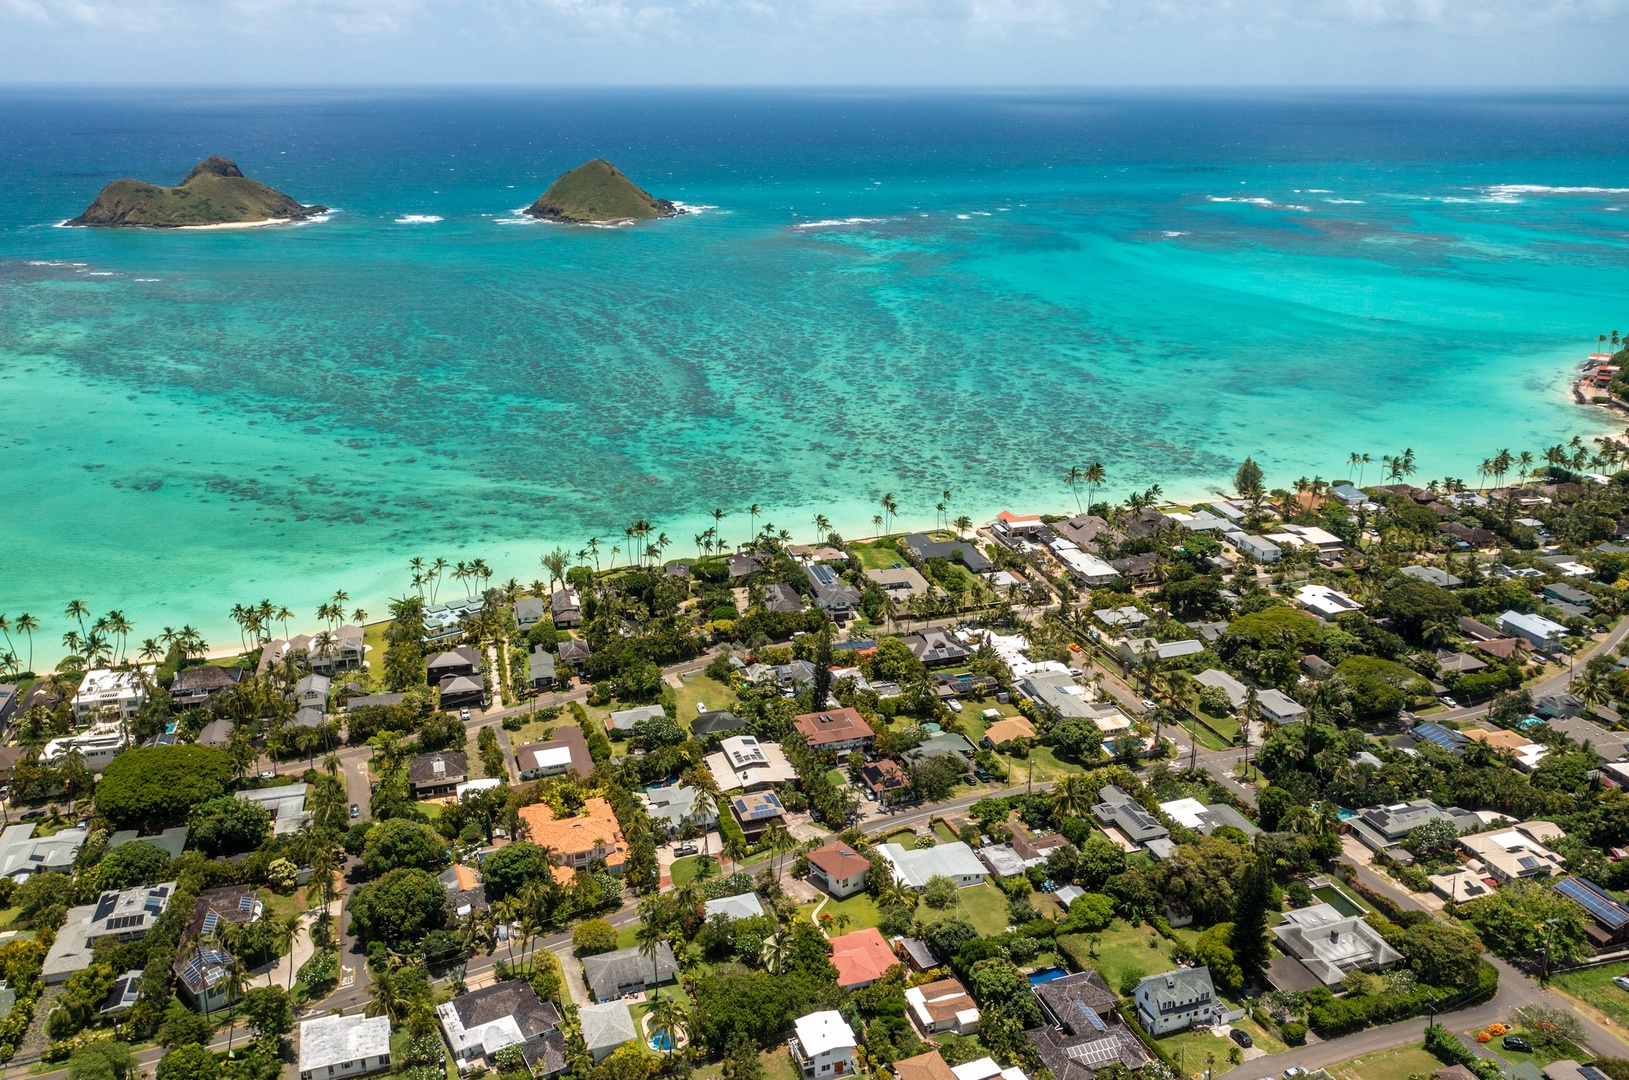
1342,1016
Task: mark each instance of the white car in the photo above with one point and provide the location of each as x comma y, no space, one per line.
1293,1071
1148,705
701,707
954,705
1621,982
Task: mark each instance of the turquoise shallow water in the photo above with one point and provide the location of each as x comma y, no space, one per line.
884,293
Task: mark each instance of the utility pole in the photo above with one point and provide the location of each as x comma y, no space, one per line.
1029,786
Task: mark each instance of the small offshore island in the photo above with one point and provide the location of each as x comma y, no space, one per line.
215,193
597,193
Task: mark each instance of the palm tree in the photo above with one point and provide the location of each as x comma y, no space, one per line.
1072,480
890,507
650,938
776,950
27,624
752,520
285,932
780,840
1073,797
77,611
668,1014
1094,476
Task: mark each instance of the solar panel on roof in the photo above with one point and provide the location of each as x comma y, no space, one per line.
1601,906
211,921
1446,738
1090,1016
1098,1052
245,903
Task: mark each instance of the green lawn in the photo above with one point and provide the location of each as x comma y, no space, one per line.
878,554
668,990
8,916
984,907
860,909
1593,987
700,689
1207,738
1047,766
373,639
1197,1050
685,869
1541,1055
1398,1063
944,832
1120,948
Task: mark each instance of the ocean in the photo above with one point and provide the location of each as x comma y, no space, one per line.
879,292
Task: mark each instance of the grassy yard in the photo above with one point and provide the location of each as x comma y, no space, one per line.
1047,766
685,869
669,990
984,907
1197,1050
860,909
1398,1063
1206,737
700,689
279,906
1593,987
373,640
878,554
537,730
944,832
1541,1055
1120,948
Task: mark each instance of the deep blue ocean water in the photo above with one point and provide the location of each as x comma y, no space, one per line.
884,292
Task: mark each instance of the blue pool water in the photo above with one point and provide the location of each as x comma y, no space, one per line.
662,1040
1046,975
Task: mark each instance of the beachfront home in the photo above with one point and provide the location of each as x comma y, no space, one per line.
1178,1000
114,693
823,1046
528,612
338,1046
922,549
196,685
566,607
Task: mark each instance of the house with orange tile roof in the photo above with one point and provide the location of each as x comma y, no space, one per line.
861,958
580,841
1499,740
835,729
1005,731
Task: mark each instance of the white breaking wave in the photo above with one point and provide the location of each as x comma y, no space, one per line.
693,208
1258,201
1507,190
830,223
146,279
418,219
1174,233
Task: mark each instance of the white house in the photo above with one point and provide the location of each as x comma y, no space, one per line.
1178,1000
344,1046
1257,547
118,692
955,861
1279,707
838,868
1325,602
943,1006
823,1045
97,746
1536,630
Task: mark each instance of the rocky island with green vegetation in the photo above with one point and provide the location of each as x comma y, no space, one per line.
215,192
597,193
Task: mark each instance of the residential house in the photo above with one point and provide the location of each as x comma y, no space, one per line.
341,1045
928,1066
528,612
944,744
1324,602
1120,619
1279,707
1178,1000
464,660
1125,815
482,1022
675,807
1458,663
1325,541
466,892
935,648
716,722
742,763
1564,594
592,836
1348,495
884,777
10,699
1084,1031
782,598
901,584
540,669
1382,827
566,750
201,966
1011,526
1607,919
1136,650
1559,706
832,594
838,869
861,958
823,1046
914,868
840,730
1194,814
97,745
755,811
9,757
1536,630
572,654
216,733
745,565
1257,547
1442,579
566,607
342,650
618,974
740,906
1330,945
959,551
195,685
22,853
942,1006
124,915
1007,729
1221,680
1520,851
1316,667
606,1027
624,720
431,776
285,803
103,692
1083,566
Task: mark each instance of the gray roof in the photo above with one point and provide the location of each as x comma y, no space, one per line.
1120,810
607,1026
540,665
528,611
117,914
1179,988
375,699
625,719
171,841
22,853
671,804
607,971
335,1040
941,745
1433,576
779,597
742,906
454,766
1331,944
1217,815
512,998
711,723
925,549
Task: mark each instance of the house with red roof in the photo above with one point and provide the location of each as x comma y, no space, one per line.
838,869
861,958
838,729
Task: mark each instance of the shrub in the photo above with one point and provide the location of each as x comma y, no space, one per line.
939,893
594,937
1294,1032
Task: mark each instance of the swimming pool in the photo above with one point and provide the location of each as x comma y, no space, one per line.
1337,900
662,1040
1046,975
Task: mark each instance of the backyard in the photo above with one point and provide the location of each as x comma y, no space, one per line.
700,689
878,554
1119,949
984,907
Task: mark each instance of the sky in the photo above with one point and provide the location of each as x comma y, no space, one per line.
963,43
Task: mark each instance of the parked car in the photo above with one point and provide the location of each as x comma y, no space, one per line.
356,811
1517,1043
1147,705
268,774
685,849
1242,1038
463,714
953,705
1293,1071
1621,982
870,796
